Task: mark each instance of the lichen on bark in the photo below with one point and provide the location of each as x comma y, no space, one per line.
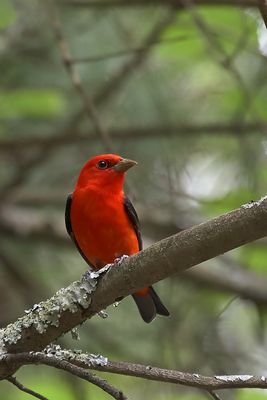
47,313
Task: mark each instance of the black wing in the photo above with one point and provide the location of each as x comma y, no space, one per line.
133,217
67,215
69,227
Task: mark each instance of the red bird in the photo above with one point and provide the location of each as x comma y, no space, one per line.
103,223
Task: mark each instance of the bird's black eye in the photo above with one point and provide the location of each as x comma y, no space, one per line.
102,164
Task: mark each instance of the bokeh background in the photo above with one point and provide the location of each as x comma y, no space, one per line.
184,92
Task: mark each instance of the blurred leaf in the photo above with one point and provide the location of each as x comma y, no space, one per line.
7,13
183,49
229,202
255,257
253,394
30,103
228,18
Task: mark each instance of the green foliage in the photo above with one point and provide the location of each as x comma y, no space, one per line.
230,201
8,13
255,257
251,394
33,103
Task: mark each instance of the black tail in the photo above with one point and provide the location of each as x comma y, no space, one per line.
150,305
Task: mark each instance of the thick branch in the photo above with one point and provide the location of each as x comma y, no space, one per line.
239,281
73,305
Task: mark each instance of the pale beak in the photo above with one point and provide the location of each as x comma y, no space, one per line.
124,164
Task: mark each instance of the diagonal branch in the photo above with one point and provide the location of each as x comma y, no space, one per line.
239,280
24,389
89,106
135,62
71,306
73,369
129,51
213,395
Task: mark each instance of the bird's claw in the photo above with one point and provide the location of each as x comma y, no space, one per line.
119,260
94,274
103,314
91,274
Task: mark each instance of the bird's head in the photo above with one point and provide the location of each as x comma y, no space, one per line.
105,170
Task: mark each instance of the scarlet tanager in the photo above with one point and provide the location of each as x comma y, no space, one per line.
103,223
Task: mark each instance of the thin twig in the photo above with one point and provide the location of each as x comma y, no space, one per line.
73,369
137,60
216,47
24,168
207,383
213,395
14,381
27,288
131,66
126,52
76,79
69,131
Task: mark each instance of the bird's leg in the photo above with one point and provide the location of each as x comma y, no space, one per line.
103,314
120,259
94,274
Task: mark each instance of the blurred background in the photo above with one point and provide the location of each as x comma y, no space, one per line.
181,90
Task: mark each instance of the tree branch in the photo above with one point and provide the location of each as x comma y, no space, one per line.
71,306
24,389
75,78
128,51
239,281
213,395
209,383
64,365
237,128
244,283
135,62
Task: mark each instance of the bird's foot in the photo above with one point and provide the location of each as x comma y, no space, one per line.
103,314
117,301
118,261
93,274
